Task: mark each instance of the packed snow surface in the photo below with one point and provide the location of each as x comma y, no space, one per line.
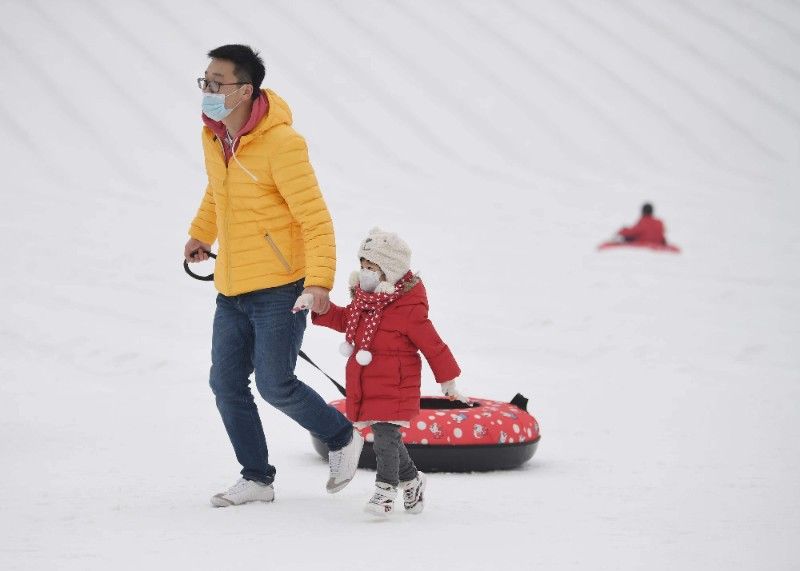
503,140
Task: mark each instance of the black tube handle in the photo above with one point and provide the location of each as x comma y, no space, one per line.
520,401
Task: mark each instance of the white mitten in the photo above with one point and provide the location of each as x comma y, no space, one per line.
450,391
305,301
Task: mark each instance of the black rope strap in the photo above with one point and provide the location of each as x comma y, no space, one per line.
339,387
207,278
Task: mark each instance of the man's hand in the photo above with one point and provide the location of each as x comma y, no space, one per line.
322,302
195,251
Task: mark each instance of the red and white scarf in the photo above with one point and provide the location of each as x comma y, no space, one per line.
370,306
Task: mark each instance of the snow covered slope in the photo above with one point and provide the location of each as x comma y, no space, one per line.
503,140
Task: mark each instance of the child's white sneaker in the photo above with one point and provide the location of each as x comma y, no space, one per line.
382,501
343,463
414,494
242,492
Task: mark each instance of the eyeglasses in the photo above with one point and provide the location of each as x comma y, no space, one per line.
213,86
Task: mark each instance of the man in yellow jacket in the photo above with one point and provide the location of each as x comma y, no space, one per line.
275,236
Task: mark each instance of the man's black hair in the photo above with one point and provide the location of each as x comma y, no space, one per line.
647,209
248,65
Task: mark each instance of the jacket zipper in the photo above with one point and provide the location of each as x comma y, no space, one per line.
278,252
270,241
227,208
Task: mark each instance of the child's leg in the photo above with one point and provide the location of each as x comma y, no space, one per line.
412,482
387,445
407,469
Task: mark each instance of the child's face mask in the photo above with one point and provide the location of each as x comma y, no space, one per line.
368,279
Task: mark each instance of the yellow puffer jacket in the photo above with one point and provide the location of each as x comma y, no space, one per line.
266,209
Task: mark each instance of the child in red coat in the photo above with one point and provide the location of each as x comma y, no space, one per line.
386,325
649,229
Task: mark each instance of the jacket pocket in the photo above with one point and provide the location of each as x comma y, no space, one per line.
278,254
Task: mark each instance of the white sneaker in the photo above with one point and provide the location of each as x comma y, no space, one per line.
242,492
343,463
382,501
414,494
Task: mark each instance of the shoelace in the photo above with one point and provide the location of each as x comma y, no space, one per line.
335,461
238,486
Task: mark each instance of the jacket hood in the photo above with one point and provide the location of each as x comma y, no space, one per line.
277,113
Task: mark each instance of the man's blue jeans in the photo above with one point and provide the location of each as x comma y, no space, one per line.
257,331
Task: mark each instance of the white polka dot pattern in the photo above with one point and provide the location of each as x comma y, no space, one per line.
463,426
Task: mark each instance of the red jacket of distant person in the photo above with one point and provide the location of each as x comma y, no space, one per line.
648,229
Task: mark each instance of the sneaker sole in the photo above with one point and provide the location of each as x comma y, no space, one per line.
220,502
333,488
377,510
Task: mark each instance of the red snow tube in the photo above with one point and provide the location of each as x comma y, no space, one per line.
646,245
449,436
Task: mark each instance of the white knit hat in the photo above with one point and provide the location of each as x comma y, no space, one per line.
388,251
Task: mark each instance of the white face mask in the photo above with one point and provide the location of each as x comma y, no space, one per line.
368,279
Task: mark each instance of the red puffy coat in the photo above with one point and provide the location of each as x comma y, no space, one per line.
649,229
389,387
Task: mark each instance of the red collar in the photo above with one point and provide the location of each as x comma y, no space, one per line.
257,113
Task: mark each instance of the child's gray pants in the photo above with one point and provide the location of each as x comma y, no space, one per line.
394,463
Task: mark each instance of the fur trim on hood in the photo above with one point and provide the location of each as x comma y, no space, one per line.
383,287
